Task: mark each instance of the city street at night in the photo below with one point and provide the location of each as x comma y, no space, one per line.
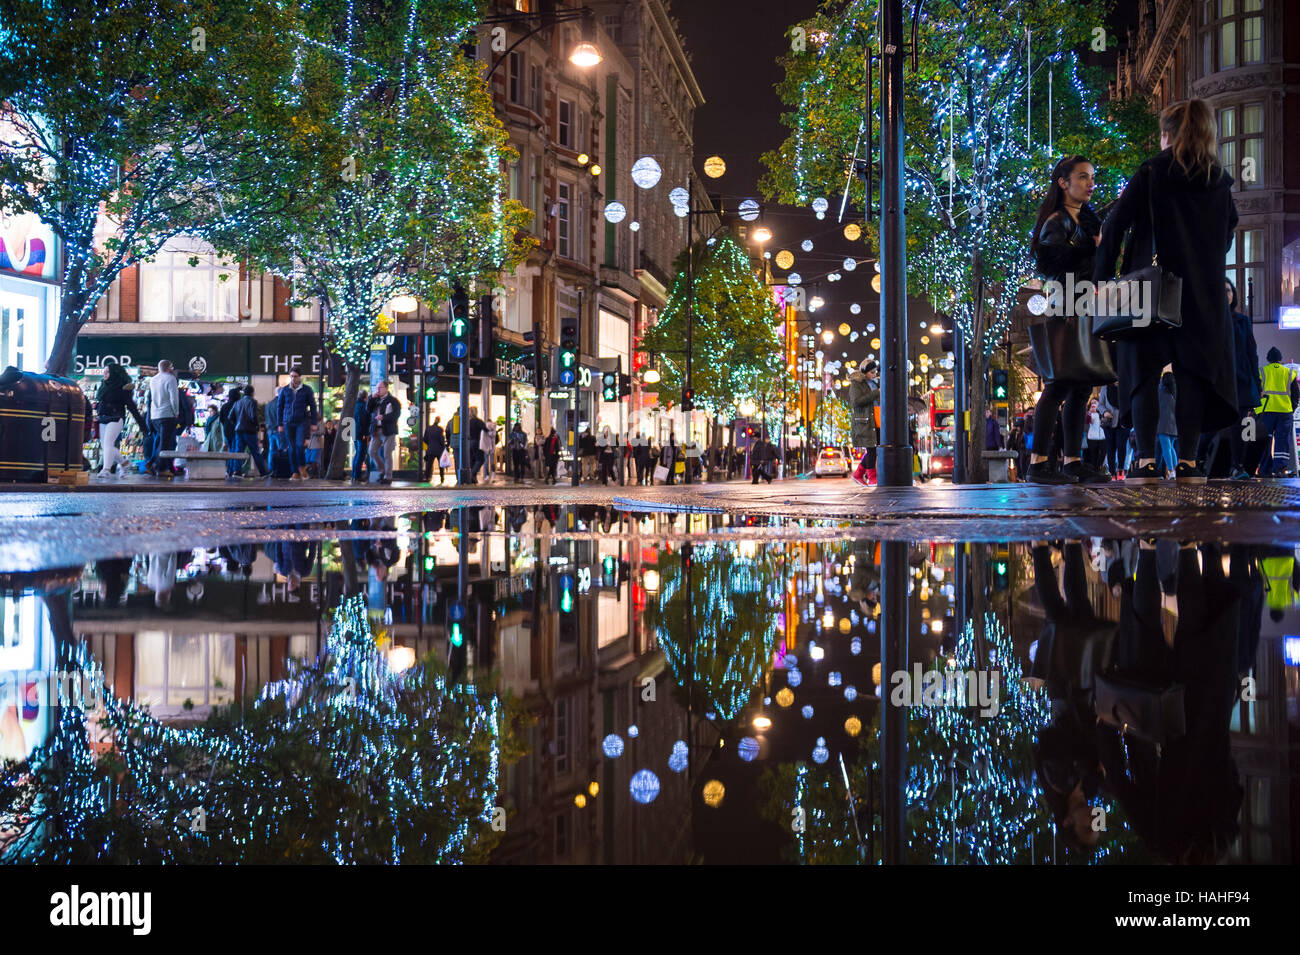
649,433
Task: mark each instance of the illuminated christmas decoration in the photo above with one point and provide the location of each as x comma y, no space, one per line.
820,205
747,749
853,232
644,787
850,264
794,278
855,308
615,211
679,196
748,210
634,226
713,793
714,167
806,245
646,172
820,753
612,746
784,259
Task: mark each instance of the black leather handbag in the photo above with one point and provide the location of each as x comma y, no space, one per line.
1065,349
1156,714
1160,291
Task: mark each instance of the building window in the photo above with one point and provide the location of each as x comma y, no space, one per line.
565,133
1245,265
1241,138
516,176
535,192
561,736
536,85
173,290
515,79
564,221
1231,34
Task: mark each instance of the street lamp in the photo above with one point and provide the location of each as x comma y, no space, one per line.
651,377
762,235
585,53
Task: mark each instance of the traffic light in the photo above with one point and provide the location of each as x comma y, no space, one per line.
609,386
1001,577
458,326
608,571
430,392
568,370
688,399
947,342
533,360
624,385
999,384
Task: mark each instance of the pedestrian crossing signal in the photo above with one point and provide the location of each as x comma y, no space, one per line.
609,386
999,384
431,393
458,326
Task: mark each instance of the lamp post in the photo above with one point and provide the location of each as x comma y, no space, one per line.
584,55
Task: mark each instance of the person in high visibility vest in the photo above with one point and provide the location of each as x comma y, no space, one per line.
1275,417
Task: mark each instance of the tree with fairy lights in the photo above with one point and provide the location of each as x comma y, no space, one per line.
736,350
972,797
126,124
415,203
346,760
998,96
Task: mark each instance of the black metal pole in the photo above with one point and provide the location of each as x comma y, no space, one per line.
893,718
465,471
690,319
573,405
960,399
894,462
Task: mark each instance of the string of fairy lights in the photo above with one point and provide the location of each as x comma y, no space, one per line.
422,753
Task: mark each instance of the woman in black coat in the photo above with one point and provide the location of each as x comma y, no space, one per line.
1189,193
1249,390
1064,244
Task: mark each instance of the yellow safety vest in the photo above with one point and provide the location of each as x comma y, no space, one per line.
1277,388
1278,593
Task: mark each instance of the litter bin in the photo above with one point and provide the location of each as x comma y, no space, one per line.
44,421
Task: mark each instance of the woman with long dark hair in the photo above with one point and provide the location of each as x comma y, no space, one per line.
1188,194
1064,243
114,400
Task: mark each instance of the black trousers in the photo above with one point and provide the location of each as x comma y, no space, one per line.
1116,443
1070,401
1189,413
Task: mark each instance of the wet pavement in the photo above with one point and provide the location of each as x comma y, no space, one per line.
598,676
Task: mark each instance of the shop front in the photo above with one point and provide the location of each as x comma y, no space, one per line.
29,292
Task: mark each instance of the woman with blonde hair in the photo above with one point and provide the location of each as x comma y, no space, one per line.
1178,204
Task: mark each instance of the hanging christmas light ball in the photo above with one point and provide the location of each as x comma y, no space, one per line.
644,786
784,259
612,745
679,196
820,205
634,226
748,210
807,245
794,278
615,211
714,167
853,232
646,172
844,328
875,283
713,792
850,264
820,753
855,308
681,211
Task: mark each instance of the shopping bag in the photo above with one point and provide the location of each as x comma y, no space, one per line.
661,473
446,460
680,467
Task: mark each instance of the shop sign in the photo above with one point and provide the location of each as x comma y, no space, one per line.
560,395
211,356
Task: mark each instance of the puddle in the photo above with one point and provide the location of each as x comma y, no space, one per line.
569,685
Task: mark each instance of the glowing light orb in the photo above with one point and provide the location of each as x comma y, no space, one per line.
713,793
807,712
844,328
853,726
853,232
806,245
714,167
820,205
850,693
784,259
747,749
615,211
634,226
850,264
784,696
794,278
633,732
646,172
820,753
855,308
794,677
644,786
677,762
748,210
679,196
612,745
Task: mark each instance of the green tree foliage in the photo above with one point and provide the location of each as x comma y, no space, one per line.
143,112
736,352
968,255
344,761
414,203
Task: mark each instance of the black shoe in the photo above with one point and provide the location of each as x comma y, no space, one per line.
1086,473
1189,473
1041,473
1142,474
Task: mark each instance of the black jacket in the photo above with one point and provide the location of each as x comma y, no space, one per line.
1066,246
1193,230
435,441
1247,359
361,418
388,409
114,402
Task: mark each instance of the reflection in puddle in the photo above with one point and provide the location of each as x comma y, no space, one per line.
579,685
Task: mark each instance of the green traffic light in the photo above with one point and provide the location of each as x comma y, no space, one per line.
456,637
458,327
566,601
567,358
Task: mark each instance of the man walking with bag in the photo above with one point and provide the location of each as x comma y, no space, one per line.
387,409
